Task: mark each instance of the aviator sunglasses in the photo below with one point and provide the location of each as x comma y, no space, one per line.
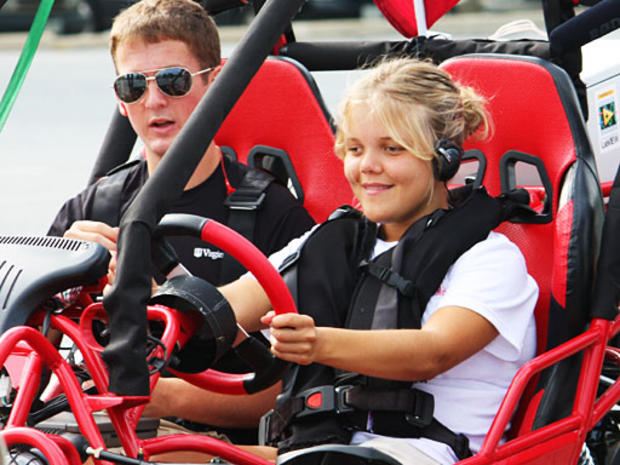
175,82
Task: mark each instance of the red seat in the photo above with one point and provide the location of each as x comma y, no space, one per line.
535,111
537,119
282,109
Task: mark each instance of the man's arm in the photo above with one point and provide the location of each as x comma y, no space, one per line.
174,397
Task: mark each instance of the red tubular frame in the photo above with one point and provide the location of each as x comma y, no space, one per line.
57,451
33,368
564,437
124,412
561,440
46,353
189,442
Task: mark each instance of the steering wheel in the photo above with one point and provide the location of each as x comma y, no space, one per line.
268,369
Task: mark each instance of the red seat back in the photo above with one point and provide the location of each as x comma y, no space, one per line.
282,108
534,110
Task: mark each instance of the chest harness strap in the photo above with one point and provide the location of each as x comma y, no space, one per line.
106,206
243,204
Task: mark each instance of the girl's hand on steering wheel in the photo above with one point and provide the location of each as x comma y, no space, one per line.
294,337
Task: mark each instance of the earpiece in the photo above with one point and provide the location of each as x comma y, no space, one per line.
123,109
448,159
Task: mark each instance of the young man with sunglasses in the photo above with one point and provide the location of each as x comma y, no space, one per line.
167,54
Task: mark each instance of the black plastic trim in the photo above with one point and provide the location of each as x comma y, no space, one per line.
475,154
256,160
508,183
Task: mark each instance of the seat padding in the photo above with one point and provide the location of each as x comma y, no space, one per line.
282,108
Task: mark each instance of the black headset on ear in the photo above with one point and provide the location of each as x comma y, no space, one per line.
448,159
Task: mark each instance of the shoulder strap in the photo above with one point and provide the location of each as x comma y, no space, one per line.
106,205
364,309
425,259
337,226
430,246
243,204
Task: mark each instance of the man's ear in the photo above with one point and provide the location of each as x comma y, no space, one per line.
214,73
122,108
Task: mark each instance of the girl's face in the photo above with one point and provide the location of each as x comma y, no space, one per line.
394,187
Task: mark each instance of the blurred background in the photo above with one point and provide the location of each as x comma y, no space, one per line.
54,132
75,16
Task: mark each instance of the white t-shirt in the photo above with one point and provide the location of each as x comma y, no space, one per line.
490,279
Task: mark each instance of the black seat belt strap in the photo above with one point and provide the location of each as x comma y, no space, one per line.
395,412
106,206
391,278
243,205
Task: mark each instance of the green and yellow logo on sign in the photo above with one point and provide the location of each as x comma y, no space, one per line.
607,115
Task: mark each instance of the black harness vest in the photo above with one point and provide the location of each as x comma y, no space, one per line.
243,203
332,279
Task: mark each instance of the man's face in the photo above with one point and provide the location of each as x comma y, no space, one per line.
156,117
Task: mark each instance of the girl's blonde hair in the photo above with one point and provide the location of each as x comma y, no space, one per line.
417,103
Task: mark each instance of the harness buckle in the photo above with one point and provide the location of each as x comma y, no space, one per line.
264,428
423,407
325,399
244,200
317,400
341,398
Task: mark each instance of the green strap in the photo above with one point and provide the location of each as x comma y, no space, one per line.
30,47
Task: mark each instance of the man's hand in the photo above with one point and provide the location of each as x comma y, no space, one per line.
95,231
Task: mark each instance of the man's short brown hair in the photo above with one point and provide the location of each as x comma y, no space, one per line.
152,21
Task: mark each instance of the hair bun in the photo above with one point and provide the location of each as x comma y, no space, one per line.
473,110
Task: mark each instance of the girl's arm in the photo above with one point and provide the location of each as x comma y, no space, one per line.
246,296
248,300
451,335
